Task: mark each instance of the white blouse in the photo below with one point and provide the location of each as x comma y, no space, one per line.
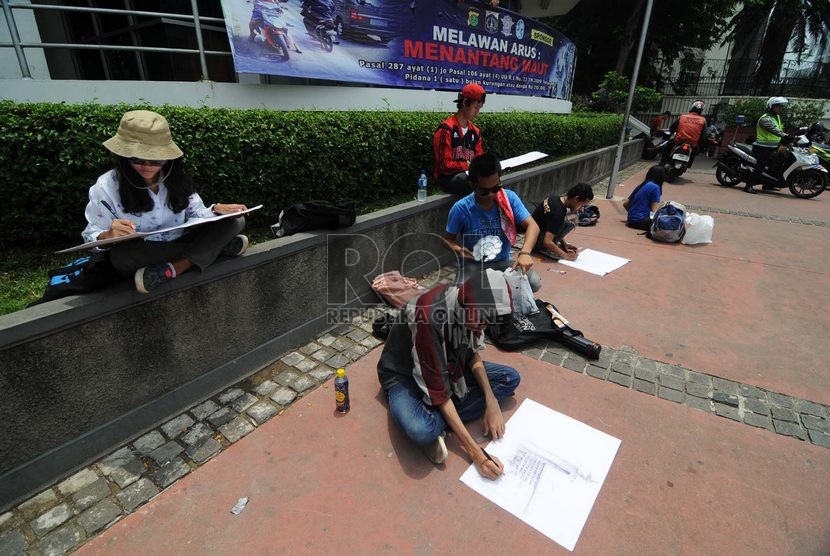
104,200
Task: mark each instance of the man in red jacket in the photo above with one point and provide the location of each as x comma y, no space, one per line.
688,129
457,141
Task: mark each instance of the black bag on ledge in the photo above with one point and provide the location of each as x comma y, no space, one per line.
89,273
518,332
315,215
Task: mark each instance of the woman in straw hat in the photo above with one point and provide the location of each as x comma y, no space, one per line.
147,190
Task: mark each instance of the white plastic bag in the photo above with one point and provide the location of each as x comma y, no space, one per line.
698,229
523,301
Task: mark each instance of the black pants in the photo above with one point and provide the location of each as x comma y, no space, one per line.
455,184
639,224
761,154
200,245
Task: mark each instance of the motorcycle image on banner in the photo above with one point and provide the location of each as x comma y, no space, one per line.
797,169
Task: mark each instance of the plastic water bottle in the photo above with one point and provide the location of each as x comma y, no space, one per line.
341,391
422,187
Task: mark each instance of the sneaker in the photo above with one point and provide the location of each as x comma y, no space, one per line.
236,247
150,277
436,452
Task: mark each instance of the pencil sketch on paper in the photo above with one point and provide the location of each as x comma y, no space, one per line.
554,468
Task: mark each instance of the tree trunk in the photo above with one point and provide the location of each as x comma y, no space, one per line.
743,58
627,41
779,31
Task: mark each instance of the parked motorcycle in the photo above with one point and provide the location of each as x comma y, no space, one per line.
804,176
817,135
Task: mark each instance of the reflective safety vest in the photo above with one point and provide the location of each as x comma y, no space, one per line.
690,128
767,137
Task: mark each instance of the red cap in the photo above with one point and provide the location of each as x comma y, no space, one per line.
473,91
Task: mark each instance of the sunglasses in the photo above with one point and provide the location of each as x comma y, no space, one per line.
143,162
483,191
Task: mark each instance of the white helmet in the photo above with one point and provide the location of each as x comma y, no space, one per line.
776,100
697,106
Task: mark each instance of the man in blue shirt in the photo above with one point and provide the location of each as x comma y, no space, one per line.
489,216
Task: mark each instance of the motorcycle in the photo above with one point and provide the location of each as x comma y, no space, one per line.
275,31
678,161
817,135
804,176
323,31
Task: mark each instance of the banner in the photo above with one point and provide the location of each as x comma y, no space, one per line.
417,44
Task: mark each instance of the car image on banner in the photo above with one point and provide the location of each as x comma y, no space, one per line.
404,43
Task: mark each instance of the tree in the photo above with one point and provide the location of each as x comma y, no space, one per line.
784,22
606,34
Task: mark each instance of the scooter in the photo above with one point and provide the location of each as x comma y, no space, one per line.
275,31
805,176
678,161
656,143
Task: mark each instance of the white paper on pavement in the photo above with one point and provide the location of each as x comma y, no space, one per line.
188,224
554,468
596,262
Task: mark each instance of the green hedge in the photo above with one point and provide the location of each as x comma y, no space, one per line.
51,153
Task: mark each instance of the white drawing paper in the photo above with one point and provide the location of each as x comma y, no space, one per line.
596,262
188,224
522,159
554,468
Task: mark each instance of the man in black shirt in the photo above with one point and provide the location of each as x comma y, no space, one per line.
553,226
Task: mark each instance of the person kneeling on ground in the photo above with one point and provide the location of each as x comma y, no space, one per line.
645,199
551,214
433,376
490,212
148,190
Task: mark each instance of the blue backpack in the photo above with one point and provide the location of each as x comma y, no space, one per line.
669,223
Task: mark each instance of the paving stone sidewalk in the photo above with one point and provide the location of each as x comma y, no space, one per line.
66,515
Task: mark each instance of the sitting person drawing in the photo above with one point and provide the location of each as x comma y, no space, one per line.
432,375
487,221
645,199
551,214
148,189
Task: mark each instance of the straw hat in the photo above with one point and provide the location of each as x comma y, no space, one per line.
143,134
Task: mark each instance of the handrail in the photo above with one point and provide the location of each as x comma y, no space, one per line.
197,20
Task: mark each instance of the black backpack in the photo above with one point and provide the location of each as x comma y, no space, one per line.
314,215
89,273
518,332
588,215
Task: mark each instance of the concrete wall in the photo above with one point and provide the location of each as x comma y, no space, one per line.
82,375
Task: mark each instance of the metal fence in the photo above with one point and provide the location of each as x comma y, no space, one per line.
737,77
193,18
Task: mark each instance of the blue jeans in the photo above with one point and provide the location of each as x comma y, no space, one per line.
424,423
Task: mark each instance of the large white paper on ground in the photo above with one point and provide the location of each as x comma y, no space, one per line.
596,262
554,467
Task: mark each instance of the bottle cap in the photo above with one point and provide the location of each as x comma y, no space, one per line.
341,372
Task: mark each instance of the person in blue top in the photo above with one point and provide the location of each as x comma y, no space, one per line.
487,221
645,199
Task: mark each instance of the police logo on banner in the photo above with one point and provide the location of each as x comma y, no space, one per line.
520,29
491,22
473,18
506,26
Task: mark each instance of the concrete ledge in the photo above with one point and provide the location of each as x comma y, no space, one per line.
85,374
